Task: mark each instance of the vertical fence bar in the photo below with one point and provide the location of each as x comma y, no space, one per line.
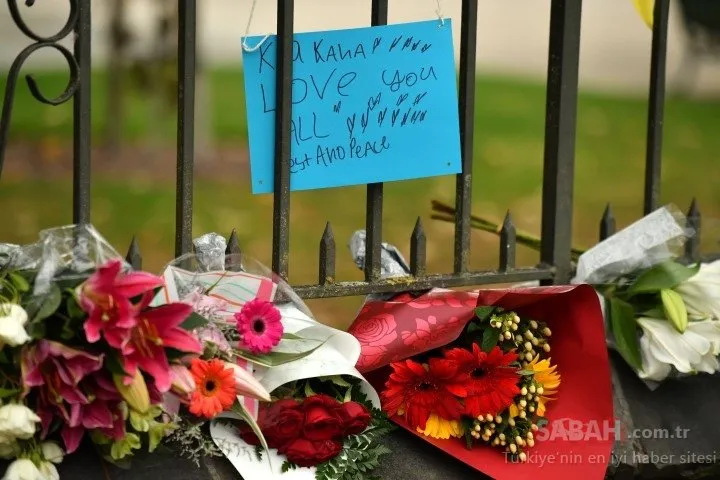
559,159
187,28
374,207
692,246
466,104
656,107
283,116
82,134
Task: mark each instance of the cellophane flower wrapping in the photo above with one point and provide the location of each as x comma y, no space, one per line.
83,353
645,290
393,329
309,359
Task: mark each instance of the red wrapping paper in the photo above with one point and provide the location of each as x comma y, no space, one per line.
578,439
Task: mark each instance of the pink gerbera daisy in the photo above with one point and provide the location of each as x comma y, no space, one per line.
259,325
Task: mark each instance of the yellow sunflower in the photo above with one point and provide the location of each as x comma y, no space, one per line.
547,378
440,428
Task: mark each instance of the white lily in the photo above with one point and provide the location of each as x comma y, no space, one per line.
662,347
701,292
23,469
12,325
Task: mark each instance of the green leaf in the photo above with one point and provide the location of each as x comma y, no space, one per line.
483,313
526,372
653,313
19,282
139,422
490,339
193,321
624,330
675,309
8,392
273,359
122,448
308,391
113,364
242,411
291,336
338,380
43,306
73,308
287,465
664,275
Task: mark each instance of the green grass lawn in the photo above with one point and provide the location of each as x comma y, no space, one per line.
509,132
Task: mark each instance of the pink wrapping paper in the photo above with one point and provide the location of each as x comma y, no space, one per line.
578,439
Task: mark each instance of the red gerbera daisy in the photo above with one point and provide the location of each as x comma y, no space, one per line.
215,387
492,384
415,391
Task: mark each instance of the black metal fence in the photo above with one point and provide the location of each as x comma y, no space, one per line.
559,155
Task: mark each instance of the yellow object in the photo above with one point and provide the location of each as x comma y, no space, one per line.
546,376
136,393
645,9
437,427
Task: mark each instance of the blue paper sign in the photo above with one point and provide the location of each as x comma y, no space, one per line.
369,105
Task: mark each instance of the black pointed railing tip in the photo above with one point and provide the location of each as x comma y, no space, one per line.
418,250
693,211
607,223
233,244
508,243
327,256
133,257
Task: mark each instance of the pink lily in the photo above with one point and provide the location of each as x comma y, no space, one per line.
71,387
103,413
59,369
106,295
158,329
246,384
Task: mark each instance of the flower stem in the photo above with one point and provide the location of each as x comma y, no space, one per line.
446,213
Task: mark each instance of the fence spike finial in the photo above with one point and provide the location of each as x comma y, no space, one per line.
133,257
233,244
692,246
327,256
607,223
508,243
418,250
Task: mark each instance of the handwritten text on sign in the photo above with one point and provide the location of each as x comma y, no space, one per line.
368,105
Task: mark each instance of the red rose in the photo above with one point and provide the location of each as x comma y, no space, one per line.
374,335
304,453
322,420
355,416
281,422
246,432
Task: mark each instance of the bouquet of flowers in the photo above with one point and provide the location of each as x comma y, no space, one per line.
512,369
278,388
83,352
662,314
489,386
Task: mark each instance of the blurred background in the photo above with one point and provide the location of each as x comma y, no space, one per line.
134,107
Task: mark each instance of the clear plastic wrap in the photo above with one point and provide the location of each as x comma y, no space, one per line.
62,254
653,239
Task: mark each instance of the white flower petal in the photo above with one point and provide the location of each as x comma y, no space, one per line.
652,368
22,469
665,344
12,320
708,364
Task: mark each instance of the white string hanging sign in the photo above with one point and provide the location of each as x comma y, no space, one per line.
245,45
